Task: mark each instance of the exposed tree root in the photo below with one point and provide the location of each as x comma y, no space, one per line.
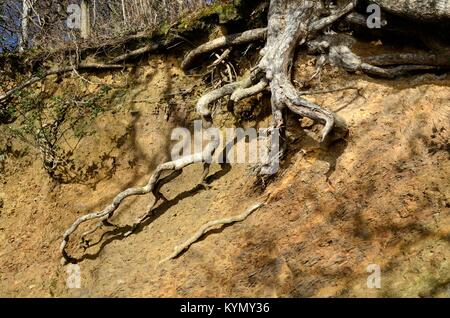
220,58
133,54
291,23
153,185
225,41
342,56
208,226
241,93
258,35
273,70
334,15
203,104
429,59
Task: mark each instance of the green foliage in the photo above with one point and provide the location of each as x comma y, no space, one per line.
46,124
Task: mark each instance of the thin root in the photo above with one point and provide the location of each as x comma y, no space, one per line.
208,226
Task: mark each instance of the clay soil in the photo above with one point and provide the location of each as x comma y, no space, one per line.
379,196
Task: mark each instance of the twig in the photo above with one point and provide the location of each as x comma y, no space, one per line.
220,58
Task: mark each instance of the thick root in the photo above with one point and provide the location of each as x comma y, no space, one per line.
203,105
135,53
241,93
342,56
291,23
285,32
333,17
427,59
206,100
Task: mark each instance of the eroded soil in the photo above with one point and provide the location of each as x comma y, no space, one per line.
381,196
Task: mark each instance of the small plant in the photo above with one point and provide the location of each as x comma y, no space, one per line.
47,125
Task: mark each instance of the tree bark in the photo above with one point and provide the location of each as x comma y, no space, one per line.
24,36
85,19
291,23
430,10
124,12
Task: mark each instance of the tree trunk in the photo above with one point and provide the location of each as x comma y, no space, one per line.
23,40
85,19
124,12
94,20
418,9
291,24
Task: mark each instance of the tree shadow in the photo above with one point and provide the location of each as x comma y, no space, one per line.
122,232
348,231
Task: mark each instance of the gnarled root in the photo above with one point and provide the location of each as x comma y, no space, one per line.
284,33
291,23
441,58
154,184
342,56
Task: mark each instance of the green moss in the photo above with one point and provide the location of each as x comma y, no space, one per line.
223,11
165,28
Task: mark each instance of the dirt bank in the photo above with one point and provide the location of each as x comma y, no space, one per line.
381,196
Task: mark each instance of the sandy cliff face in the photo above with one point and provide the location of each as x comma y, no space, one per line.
381,196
